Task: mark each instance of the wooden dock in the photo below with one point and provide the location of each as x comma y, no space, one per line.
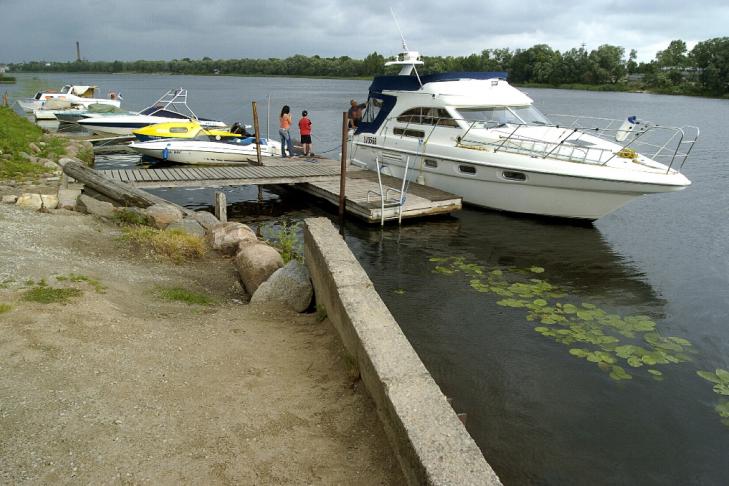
317,177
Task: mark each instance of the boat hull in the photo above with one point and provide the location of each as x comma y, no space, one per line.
587,197
125,125
196,152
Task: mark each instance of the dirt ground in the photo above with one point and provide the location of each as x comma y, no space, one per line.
121,387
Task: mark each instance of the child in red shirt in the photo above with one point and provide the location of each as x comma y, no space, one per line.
305,130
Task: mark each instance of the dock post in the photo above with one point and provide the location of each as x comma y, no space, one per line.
258,133
343,168
5,99
221,207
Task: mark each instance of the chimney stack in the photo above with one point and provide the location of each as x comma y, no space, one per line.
78,52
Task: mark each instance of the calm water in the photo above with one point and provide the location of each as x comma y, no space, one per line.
541,415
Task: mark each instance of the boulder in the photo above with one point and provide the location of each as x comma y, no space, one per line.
30,201
47,163
64,160
89,205
10,199
289,285
255,263
34,148
162,215
24,155
207,220
188,225
72,150
67,198
50,201
226,237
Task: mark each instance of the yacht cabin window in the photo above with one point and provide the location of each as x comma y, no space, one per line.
500,115
428,116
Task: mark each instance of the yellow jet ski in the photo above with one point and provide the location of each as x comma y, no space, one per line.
183,130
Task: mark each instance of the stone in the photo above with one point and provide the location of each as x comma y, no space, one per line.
289,285
226,237
163,215
188,225
67,198
47,163
34,148
30,201
256,262
89,205
50,201
207,220
64,160
72,150
10,199
24,155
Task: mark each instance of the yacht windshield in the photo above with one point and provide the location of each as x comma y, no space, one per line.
501,115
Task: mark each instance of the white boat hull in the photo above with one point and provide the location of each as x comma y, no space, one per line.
197,152
126,124
586,196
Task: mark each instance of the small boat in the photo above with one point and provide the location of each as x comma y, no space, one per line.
77,95
238,150
187,130
75,114
474,135
172,106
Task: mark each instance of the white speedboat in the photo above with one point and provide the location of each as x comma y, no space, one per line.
474,135
75,114
205,152
172,106
77,95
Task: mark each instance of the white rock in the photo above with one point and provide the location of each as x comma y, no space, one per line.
290,286
67,198
30,201
87,204
163,215
207,220
50,201
226,237
10,199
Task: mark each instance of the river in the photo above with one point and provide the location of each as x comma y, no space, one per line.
545,407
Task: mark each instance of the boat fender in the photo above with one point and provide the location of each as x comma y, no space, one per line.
166,152
625,129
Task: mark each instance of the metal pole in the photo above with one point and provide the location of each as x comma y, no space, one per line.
258,134
343,167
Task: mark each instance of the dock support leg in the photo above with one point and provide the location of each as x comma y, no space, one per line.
221,207
343,171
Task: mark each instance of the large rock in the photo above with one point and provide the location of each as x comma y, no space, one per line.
226,237
207,220
50,201
290,286
72,150
89,205
67,198
162,215
47,163
30,201
188,225
34,148
64,160
9,199
255,263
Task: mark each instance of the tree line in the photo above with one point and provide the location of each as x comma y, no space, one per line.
704,70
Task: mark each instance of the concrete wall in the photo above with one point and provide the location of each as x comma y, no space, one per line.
432,445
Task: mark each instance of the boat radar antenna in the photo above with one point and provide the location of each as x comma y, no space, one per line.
407,59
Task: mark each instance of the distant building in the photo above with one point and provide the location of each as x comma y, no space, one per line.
3,69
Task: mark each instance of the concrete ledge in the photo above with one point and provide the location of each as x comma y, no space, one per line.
431,444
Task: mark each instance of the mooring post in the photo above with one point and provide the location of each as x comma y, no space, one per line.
5,99
221,207
343,167
258,133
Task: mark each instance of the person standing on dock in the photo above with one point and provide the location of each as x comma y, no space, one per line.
305,131
283,131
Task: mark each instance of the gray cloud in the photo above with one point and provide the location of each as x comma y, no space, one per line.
164,29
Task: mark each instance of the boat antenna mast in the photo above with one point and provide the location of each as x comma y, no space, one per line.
407,59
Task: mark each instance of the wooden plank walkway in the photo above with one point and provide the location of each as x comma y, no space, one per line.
319,178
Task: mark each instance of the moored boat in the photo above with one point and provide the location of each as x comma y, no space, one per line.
77,95
187,130
207,152
474,135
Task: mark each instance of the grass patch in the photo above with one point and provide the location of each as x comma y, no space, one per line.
179,294
5,308
98,287
127,217
175,244
50,295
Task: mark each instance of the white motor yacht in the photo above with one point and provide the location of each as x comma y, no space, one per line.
76,95
171,107
474,135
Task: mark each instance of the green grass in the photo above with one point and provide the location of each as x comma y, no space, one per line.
126,217
50,295
285,237
5,308
179,294
75,278
176,245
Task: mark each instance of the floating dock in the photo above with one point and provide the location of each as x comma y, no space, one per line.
317,177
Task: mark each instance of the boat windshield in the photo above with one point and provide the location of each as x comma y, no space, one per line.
501,115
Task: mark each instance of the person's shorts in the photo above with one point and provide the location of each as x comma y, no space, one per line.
306,139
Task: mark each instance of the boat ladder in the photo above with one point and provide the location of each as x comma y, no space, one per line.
390,197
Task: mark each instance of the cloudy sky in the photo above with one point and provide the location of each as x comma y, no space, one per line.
223,29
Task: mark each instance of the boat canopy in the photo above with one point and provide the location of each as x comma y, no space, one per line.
413,83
